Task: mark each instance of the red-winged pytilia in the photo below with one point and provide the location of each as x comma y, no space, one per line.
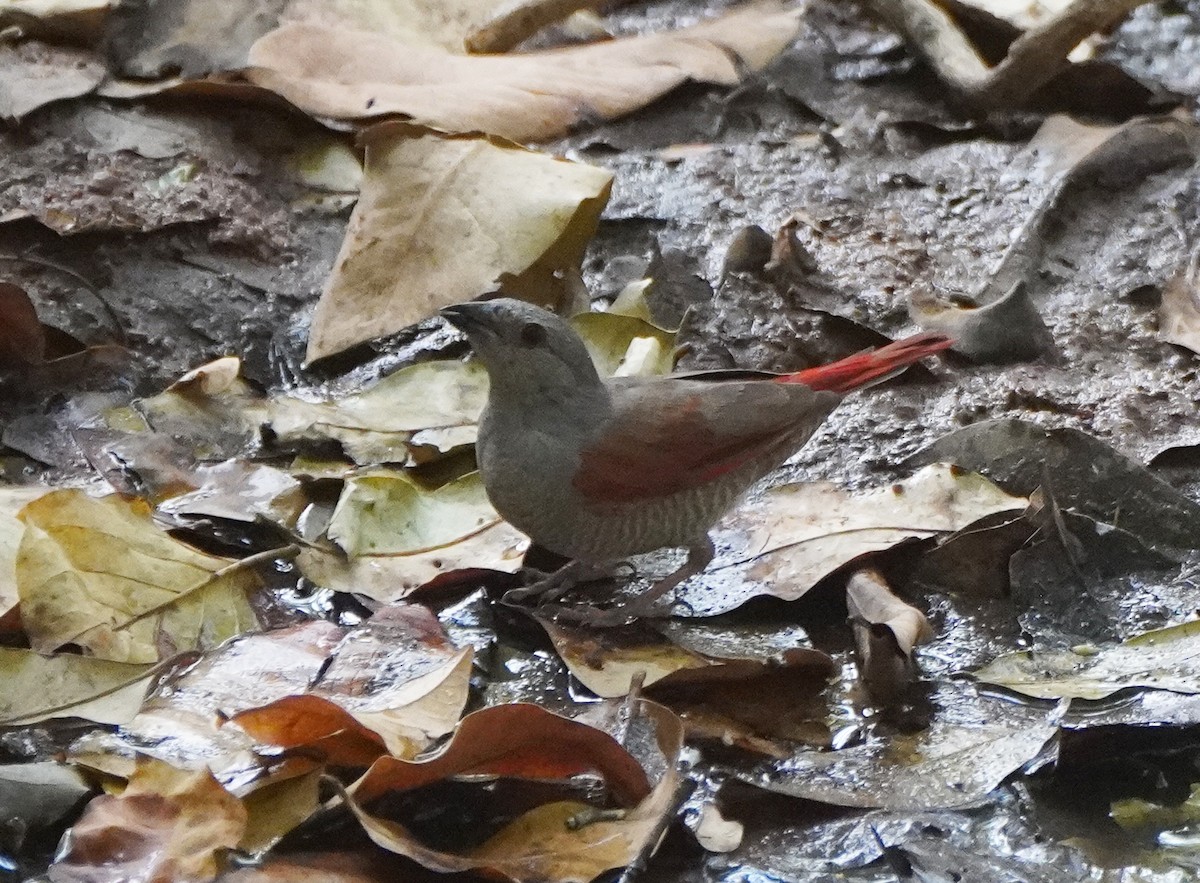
601,469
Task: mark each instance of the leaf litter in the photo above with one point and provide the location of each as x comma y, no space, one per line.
368,476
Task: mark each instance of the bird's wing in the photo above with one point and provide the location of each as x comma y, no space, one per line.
672,434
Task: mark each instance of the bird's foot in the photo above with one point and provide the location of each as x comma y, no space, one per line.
549,587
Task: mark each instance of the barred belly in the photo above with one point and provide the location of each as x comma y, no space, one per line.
601,533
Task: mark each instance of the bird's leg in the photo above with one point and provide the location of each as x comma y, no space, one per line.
699,557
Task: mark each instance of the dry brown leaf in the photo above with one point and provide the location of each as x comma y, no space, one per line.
443,24
524,740
443,219
168,826
356,74
98,573
886,630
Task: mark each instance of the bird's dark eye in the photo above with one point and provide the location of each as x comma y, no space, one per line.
533,334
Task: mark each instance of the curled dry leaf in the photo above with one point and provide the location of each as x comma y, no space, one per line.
886,630
1007,330
536,96
526,741
97,572
1179,312
167,826
794,535
1164,659
406,252
398,535
34,74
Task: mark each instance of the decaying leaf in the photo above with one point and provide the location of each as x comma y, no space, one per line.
35,688
355,74
784,543
96,572
525,741
168,825
886,629
1164,659
407,251
942,767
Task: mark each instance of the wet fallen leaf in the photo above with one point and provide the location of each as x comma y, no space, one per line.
12,500
34,74
1164,659
1133,813
785,542
623,341
886,629
404,255
355,74
367,866
276,808
393,683
96,572
168,826
397,676
523,740
1084,474
975,560
943,767
389,513
236,490
35,688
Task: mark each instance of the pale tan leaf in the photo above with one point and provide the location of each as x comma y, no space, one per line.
443,219
357,74
35,688
98,573
1164,659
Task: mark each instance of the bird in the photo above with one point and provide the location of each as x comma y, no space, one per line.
601,469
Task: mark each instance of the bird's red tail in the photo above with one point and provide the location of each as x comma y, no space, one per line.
855,371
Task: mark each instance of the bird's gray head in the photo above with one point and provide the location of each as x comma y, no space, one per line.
525,349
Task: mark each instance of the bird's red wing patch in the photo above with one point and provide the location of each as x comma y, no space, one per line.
680,451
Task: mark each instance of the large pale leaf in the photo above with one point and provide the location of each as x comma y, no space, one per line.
783,543
97,572
1165,659
443,219
12,500
356,74
34,687
398,535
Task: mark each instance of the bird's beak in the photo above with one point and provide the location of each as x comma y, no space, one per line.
468,317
